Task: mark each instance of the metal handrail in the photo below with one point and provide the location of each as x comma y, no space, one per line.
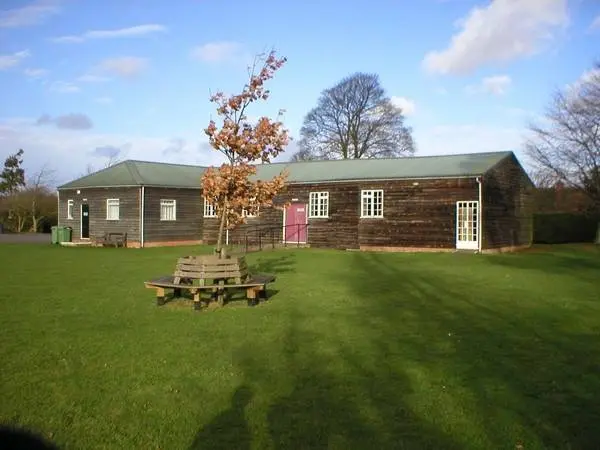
271,231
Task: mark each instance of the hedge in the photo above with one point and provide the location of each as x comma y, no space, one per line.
562,228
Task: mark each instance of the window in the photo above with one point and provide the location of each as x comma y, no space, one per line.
112,209
371,203
69,209
209,210
245,212
168,209
319,204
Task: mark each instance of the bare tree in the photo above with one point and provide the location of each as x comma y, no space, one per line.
565,147
111,160
354,119
37,194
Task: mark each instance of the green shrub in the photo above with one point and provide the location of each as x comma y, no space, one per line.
562,228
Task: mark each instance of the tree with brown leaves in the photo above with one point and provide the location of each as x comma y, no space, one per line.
229,188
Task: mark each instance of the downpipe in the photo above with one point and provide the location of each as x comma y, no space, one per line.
479,214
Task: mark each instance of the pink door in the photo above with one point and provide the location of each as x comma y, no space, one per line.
295,223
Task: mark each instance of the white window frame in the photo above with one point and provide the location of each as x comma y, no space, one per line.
248,215
370,194
315,203
115,202
209,210
70,206
245,212
168,203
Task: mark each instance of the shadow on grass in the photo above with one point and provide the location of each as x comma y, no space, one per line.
229,429
520,375
324,401
19,439
553,261
276,265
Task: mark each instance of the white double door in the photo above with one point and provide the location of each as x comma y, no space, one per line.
467,225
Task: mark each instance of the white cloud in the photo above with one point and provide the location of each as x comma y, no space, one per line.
89,78
125,66
596,23
103,100
216,52
35,73
14,59
34,13
503,30
407,106
496,85
64,87
589,76
136,31
50,144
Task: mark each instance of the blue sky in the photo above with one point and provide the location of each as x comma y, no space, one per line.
133,77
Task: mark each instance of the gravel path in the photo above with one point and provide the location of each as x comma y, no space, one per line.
25,238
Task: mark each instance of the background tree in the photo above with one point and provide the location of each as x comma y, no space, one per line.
39,196
26,204
565,146
12,177
354,119
229,188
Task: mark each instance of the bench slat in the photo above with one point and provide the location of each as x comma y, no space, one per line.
167,282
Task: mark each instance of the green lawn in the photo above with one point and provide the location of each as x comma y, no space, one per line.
353,350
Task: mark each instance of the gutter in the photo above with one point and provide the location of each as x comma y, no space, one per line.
291,183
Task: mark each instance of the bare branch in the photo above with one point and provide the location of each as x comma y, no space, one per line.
566,146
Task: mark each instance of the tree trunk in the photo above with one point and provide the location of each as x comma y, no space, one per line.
598,234
20,223
35,224
220,235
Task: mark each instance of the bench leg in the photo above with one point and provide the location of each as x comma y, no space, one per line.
251,296
160,296
221,293
197,304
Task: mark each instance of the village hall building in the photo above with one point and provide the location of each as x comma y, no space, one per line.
475,202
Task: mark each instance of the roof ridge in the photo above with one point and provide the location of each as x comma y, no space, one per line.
397,158
136,161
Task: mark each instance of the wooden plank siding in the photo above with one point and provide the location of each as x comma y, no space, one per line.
187,225
507,206
129,213
417,213
416,216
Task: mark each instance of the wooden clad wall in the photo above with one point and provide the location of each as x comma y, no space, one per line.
189,211
415,215
507,206
129,215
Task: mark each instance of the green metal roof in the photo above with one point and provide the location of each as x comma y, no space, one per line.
138,173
